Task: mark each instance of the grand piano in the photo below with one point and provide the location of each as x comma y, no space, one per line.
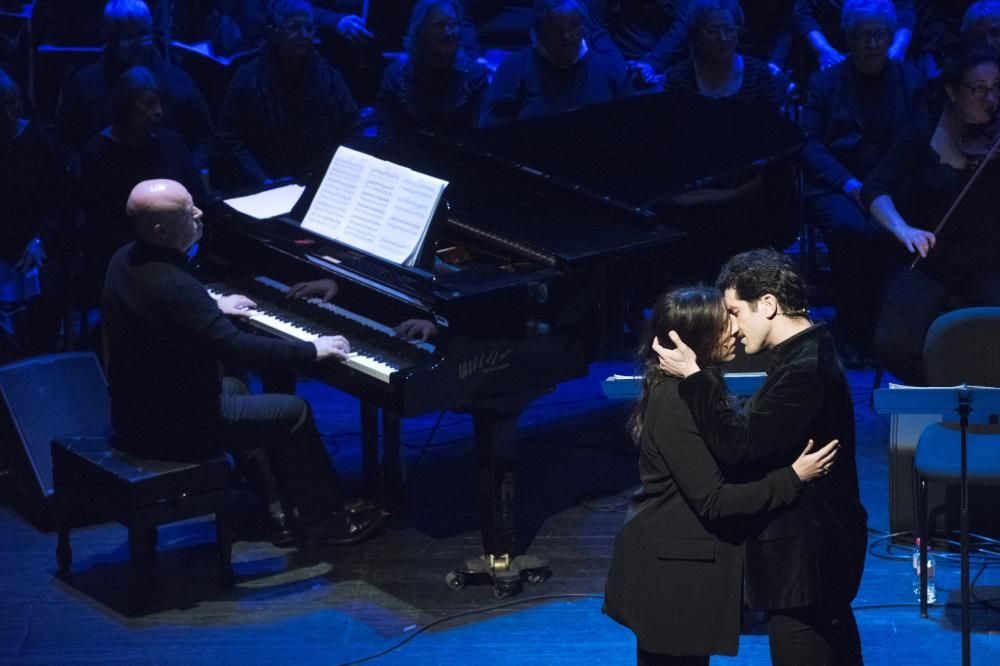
529,267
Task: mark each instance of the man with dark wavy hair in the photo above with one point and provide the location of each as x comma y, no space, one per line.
805,564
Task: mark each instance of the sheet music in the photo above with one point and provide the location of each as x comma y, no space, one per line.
376,206
269,203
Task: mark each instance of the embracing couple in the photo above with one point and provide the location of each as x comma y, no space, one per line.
739,503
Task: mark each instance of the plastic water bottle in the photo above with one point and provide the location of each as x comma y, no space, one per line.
931,568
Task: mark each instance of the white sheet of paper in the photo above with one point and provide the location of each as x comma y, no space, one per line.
269,203
374,205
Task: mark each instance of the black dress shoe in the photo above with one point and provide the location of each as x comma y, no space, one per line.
280,530
343,529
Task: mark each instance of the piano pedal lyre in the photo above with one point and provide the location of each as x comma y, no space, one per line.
505,572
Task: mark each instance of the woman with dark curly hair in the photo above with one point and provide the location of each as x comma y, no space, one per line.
676,575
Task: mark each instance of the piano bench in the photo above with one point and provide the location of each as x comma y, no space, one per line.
141,494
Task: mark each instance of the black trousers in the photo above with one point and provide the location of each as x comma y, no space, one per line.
913,300
859,248
819,635
644,658
274,437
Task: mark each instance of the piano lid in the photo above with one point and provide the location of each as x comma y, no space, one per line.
635,151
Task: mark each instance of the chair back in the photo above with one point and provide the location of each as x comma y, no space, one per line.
963,346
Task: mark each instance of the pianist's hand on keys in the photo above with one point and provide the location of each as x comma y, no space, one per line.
327,346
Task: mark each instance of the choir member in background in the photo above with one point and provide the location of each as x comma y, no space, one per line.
558,73
85,103
287,111
934,159
982,21
817,23
853,113
714,68
133,148
433,86
34,233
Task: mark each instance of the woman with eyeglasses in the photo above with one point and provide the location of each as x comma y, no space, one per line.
853,113
714,68
676,576
817,24
433,86
913,187
287,111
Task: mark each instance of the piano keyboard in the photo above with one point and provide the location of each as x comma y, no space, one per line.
375,349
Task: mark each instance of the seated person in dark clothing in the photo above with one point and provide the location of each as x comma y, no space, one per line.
434,86
166,339
233,26
559,73
286,112
817,23
34,188
958,266
982,21
132,149
853,113
715,69
85,104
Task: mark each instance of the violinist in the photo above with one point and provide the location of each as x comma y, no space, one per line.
957,264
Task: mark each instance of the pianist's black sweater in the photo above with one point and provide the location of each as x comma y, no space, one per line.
166,341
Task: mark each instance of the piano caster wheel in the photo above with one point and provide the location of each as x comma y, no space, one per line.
455,580
537,576
506,588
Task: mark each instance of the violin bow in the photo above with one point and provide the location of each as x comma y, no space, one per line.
961,195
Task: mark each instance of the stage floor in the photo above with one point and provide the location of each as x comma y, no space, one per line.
338,605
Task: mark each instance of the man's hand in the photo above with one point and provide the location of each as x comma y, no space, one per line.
33,255
335,346
644,75
352,28
829,57
416,329
816,463
915,240
237,305
325,289
852,188
680,362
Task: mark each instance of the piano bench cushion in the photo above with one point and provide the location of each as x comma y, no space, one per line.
90,465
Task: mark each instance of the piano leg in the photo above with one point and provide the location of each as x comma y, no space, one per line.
369,450
392,460
496,448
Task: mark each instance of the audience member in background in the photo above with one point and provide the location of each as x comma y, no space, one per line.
34,188
938,25
134,148
649,35
982,21
854,111
714,68
937,157
559,72
85,104
286,112
433,86
817,23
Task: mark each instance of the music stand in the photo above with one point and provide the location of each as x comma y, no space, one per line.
931,400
